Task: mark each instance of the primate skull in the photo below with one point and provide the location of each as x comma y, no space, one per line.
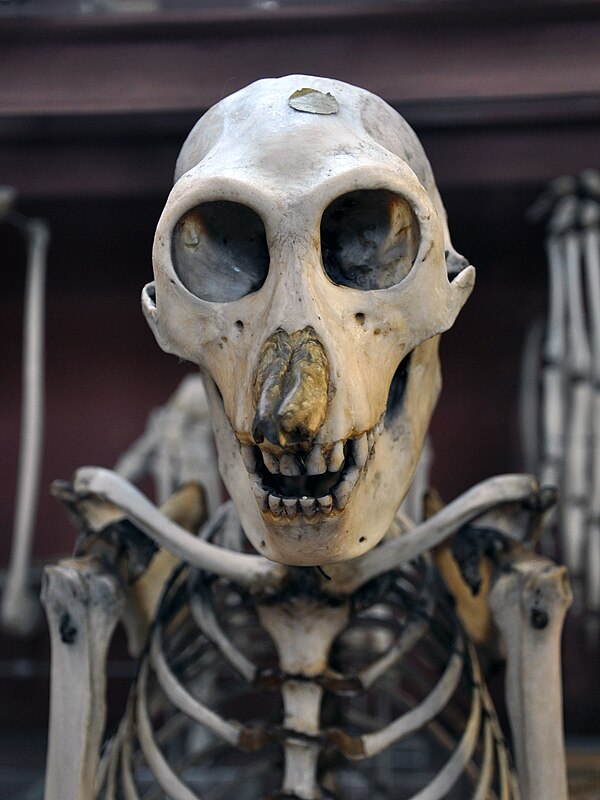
302,261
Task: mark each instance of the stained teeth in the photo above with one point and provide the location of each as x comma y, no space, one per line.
336,459
309,506
360,450
275,505
342,491
289,505
325,503
248,458
260,494
271,463
315,463
289,465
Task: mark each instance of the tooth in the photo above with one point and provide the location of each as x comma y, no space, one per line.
371,439
309,506
325,503
289,505
315,463
260,494
271,462
360,450
379,426
289,465
275,505
342,491
248,458
336,458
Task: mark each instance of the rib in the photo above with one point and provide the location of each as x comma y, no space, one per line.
183,700
168,780
204,616
415,719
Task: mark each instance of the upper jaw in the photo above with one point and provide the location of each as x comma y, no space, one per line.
313,484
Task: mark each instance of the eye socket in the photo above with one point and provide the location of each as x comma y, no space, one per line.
219,250
369,239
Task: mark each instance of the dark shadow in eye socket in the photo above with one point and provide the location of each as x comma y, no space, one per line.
369,239
220,252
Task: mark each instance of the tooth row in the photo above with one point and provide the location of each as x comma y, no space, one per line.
315,463
290,506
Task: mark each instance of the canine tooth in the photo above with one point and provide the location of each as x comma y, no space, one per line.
342,491
289,505
351,476
309,506
260,494
275,505
341,494
371,439
325,503
271,463
288,465
360,450
379,426
315,462
336,458
248,458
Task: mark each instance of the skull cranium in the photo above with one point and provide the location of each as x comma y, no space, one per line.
302,262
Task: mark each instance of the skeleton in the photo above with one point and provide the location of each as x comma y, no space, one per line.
569,456
302,261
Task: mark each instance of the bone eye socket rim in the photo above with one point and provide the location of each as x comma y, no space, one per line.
219,250
359,247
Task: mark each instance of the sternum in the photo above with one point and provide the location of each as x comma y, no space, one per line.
303,631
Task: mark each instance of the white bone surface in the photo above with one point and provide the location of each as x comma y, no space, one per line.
353,345
254,149
83,604
529,603
19,610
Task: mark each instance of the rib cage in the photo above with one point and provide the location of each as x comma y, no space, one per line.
404,714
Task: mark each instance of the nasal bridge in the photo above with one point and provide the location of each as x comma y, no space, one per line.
291,388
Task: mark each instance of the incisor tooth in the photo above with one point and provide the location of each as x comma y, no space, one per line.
309,505
325,503
271,462
336,458
248,458
288,465
289,505
315,462
360,450
275,505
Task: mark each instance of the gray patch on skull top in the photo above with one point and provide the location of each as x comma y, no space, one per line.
312,101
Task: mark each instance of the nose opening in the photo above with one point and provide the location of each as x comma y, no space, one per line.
291,389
